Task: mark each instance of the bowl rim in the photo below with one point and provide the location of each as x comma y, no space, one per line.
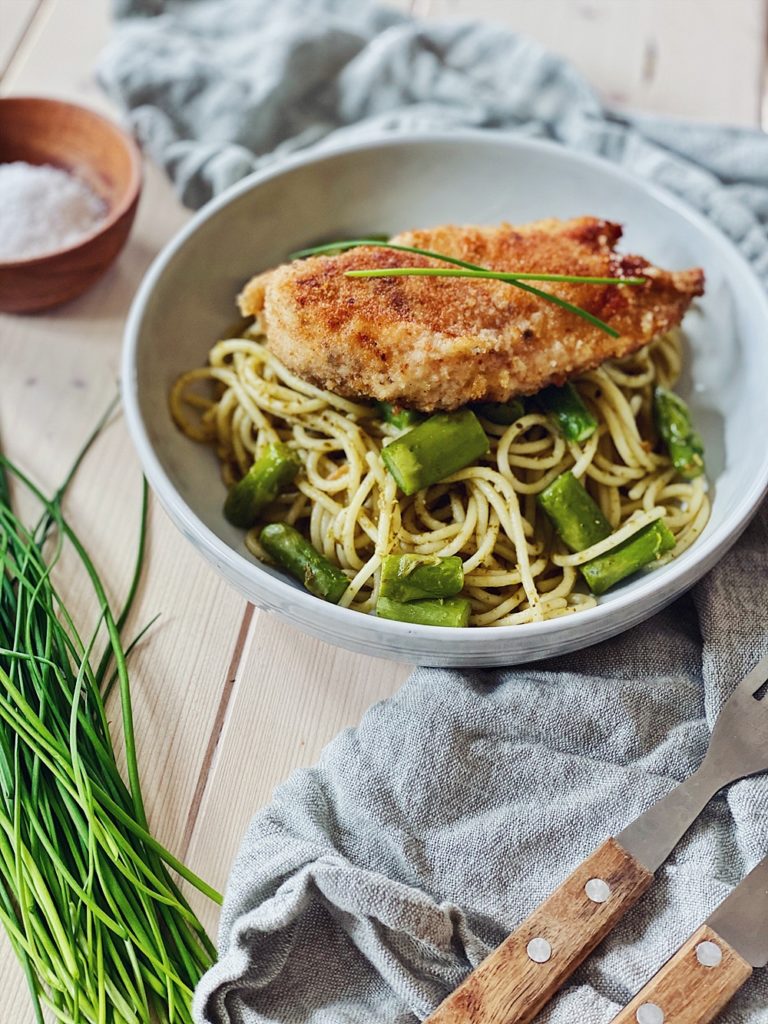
126,202
674,578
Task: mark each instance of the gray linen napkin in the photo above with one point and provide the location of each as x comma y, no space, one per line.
374,881
377,879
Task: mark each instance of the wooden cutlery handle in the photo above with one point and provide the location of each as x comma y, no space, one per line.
513,983
692,987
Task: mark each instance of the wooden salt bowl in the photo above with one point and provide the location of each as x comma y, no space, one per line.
45,131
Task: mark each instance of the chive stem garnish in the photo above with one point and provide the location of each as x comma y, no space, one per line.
355,243
493,275
473,270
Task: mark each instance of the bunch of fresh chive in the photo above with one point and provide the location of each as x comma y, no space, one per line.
474,271
86,898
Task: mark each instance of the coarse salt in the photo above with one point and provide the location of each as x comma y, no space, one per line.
42,209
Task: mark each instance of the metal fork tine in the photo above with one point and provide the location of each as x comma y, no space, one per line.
755,678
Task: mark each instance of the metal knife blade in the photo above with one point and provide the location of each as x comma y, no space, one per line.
742,918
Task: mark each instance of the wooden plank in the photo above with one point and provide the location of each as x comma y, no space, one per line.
701,59
59,372
44,66
17,16
292,695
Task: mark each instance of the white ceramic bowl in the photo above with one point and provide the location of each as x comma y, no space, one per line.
465,177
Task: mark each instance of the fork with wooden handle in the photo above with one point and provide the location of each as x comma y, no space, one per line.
519,977
701,978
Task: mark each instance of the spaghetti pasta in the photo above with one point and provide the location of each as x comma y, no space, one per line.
347,504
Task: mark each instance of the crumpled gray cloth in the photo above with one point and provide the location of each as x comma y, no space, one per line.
373,883
216,89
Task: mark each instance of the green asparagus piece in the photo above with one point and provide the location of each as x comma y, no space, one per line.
580,524
432,451
449,611
564,405
575,516
410,577
673,421
687,456
641,549
502,413
293,552
398,416
273,471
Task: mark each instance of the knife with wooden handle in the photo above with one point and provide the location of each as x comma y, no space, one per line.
519,977
706,972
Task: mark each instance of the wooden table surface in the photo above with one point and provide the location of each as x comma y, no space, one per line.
228,700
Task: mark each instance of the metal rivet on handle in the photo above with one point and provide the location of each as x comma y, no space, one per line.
539,950
649,1013
597,890
709,954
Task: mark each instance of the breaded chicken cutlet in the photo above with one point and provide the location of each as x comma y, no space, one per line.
439,343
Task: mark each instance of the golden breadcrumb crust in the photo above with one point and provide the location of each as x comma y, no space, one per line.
438,343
